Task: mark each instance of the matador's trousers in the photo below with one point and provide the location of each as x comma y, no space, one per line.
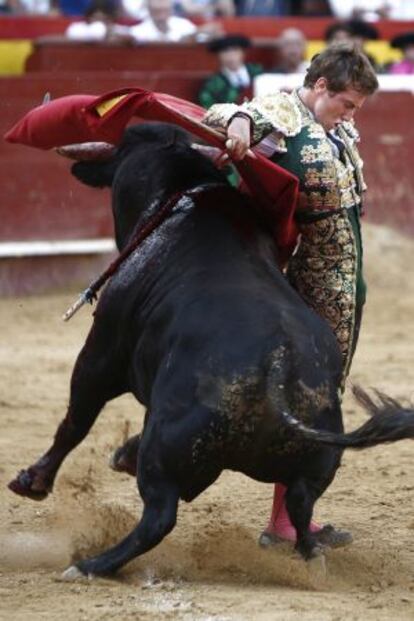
326,270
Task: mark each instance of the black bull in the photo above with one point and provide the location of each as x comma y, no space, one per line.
202,327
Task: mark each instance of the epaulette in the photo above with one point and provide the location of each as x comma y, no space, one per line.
280,110
351,131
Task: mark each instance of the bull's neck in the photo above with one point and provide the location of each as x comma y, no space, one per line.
160,208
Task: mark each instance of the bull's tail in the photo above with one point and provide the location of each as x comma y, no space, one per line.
389,422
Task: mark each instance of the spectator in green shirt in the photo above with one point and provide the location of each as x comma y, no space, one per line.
233,82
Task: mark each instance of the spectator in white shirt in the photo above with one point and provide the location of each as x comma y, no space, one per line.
162,25
99,24
373,9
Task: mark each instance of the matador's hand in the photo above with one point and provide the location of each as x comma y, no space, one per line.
238,137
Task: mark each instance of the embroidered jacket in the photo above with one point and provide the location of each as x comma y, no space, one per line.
328,180
326,268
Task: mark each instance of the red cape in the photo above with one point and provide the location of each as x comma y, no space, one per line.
84,118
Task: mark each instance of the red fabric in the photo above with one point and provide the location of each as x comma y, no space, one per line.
56,123
75,119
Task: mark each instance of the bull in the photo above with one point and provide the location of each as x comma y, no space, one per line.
202,327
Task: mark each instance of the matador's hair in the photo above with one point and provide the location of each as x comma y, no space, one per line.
343,65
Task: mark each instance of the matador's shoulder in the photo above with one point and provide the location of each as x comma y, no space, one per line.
279,109
276,112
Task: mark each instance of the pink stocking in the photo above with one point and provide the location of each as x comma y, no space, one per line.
280,523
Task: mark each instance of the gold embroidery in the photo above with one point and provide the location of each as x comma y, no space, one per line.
220,114
354,159
280,110
316,132
324,272
320,177
321,152
321,201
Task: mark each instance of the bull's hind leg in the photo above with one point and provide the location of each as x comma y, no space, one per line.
300,500
93,384
160,495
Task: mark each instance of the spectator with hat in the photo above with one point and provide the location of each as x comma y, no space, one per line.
338,32
404,42
234,80
361,34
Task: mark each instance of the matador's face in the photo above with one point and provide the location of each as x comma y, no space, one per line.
330,108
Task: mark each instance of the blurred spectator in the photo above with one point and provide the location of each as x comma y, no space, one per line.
99,24
39,7
205,8
373,9
73,7
233,81
162,25
257,8
291,46
313,8
136,9
405,43
10,7
362,32
339,32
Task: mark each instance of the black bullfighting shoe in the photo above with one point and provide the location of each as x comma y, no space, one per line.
327,536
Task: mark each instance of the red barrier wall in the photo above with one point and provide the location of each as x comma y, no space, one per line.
40,199
157,57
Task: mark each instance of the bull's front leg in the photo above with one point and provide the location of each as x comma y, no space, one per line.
300,500
92,386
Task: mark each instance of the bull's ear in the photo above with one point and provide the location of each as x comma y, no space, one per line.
94,174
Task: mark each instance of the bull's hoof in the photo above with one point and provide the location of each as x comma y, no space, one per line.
315,552
316,566
72,573
29,484
119,462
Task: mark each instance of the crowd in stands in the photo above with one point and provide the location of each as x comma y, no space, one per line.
343,9
171,21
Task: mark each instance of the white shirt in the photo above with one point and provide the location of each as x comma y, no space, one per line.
37,7
239,78
92,31
399,9
135,8
178,28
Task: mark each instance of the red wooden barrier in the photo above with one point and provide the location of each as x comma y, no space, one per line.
40,199
73,56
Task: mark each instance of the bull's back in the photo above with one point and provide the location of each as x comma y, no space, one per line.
205,289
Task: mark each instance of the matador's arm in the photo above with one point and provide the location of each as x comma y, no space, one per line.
275,114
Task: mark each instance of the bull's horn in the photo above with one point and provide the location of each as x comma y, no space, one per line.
87,151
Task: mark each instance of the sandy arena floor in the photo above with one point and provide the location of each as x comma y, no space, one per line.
210,568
